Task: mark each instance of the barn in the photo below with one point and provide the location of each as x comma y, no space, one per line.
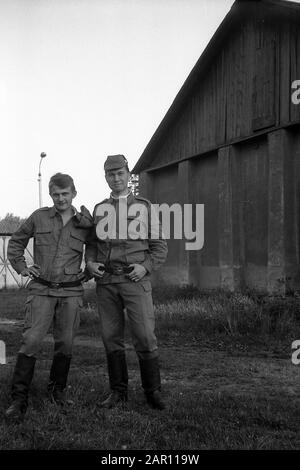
231,141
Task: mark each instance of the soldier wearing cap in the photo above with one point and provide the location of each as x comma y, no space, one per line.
55,289
122,266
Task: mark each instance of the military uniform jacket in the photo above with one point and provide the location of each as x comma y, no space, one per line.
58,249
149,251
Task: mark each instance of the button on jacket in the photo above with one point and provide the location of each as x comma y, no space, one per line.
150,252
58,249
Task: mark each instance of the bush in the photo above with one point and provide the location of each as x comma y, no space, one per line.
186,310
232,313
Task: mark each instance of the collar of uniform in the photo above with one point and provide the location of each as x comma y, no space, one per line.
76,213
53,211
128,196
120,197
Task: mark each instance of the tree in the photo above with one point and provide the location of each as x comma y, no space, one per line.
11,222
11,218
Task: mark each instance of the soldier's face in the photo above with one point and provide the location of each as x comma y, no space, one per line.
118,180
62,198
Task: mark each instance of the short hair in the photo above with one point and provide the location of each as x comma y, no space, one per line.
62,181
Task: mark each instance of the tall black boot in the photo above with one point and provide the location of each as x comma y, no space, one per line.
58,377
151,383
118,379
21,381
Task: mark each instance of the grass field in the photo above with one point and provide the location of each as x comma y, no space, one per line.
226,371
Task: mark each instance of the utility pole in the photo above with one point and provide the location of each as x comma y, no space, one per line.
43,155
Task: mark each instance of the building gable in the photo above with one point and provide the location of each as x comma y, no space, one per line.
240,86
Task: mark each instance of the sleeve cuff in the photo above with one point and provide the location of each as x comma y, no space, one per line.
19,267
147,265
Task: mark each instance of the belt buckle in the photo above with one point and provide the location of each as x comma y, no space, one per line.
118,270
55,285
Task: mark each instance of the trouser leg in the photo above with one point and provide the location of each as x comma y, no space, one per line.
65,326
38,317
112,322
39,312
138,301
112,319
137,298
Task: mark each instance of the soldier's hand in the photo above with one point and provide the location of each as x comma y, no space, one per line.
84,211
32,271
137,273
95,269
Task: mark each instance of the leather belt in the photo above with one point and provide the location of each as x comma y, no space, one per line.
58,285
118,270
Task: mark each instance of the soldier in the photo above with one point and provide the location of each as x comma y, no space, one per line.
55,288
121,265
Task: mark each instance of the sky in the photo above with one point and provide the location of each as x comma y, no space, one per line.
83,79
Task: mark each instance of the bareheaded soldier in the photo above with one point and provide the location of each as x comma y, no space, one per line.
121,254
55,289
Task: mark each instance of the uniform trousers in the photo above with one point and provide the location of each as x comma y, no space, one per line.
40,312
136,298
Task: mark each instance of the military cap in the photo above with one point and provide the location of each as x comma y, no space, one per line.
115,161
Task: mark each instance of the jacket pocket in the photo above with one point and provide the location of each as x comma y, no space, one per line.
43,237
72,270
146,285
77,241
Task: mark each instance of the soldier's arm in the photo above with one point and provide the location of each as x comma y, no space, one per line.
91,243
18,243
158,248
91,251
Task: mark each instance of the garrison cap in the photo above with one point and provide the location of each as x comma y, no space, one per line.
115,161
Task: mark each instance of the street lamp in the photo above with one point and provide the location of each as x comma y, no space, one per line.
43,155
